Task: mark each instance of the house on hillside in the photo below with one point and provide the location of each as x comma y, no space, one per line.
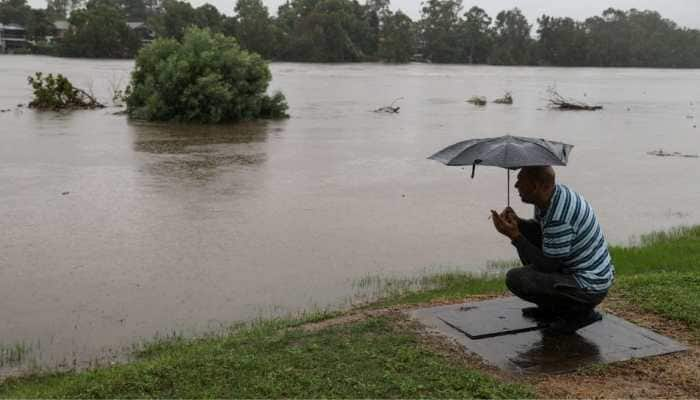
58,32
60,28
12,37
145,33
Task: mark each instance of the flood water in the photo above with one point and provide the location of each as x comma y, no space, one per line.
115,231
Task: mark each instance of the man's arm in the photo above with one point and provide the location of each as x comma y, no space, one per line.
507,224
535,256
532,232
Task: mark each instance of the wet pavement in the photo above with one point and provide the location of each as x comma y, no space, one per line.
501,336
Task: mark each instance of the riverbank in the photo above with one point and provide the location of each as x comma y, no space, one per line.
376,351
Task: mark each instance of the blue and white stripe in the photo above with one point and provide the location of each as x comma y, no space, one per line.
571,233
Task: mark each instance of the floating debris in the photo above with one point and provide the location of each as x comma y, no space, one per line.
506,99
562,103
662,153
390,108
477,100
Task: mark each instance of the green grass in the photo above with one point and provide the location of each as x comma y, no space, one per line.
446,286
674,295
661,274
675,251
373,358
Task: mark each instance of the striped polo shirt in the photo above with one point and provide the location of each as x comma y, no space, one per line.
571,234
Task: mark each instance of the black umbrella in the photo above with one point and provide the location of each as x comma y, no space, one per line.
510,152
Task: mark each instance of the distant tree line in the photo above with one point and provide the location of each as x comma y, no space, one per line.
348,31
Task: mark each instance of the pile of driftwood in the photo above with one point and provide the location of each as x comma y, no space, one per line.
391,109
562,103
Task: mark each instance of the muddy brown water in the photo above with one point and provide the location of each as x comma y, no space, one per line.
116,231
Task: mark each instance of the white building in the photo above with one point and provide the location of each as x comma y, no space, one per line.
12,36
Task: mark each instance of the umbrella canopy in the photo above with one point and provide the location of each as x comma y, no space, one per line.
510,152
505,152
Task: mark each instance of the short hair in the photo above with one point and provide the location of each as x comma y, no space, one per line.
544,175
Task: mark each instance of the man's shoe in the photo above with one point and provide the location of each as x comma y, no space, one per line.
538,313
569,326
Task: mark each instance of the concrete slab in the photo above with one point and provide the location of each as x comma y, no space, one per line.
531,351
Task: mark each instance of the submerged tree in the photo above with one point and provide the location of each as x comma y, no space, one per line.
205,78
58,93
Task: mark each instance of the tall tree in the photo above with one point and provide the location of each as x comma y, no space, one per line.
174,18
476,36
254,28
610,37
99,31
324,31
397,41
59,9
440,30
135,10
512,38
376,11
15,12
208,16
39,25
562,41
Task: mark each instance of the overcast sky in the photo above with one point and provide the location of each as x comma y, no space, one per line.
683,12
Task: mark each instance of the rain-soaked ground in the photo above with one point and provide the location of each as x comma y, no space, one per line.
114,231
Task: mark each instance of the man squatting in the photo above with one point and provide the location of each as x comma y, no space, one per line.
567,268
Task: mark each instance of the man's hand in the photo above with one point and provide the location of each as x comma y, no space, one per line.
506,223
510,213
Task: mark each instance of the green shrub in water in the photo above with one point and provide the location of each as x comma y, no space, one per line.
57,93
206,78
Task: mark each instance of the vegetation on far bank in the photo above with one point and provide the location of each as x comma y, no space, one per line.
349,30
380,356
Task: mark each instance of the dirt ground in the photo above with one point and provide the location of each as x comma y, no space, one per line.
670,376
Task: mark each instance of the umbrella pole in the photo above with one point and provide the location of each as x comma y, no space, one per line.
508,172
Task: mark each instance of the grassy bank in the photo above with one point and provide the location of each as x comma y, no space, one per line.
373,358
381,356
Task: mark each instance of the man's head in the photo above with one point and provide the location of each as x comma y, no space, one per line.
535,184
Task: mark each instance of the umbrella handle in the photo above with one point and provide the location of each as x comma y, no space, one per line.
508,200
474,164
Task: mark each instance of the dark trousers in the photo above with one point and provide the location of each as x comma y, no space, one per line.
556,292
